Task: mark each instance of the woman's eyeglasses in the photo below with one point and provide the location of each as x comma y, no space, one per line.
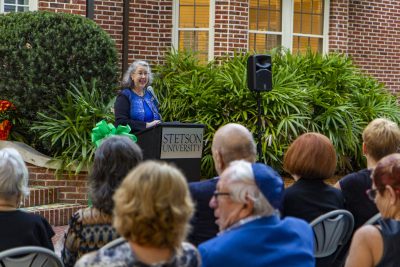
142,73
371,193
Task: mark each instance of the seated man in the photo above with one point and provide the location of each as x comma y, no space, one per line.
231,142
380,138
251,232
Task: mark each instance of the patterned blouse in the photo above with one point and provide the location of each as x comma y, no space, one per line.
89,229
122,255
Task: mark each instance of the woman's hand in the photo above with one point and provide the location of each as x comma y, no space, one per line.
153,123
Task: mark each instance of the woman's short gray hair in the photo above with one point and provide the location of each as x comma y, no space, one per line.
241,184
127,81
13,174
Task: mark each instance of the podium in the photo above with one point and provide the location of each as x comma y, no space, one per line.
179,143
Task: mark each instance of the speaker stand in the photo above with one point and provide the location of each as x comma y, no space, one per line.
259,128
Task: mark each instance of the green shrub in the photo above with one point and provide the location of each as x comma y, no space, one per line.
41,53
68,129
311,92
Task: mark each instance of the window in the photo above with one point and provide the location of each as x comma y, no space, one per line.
17,5
265,24
295,24
192,31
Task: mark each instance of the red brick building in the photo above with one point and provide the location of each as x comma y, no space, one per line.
368,31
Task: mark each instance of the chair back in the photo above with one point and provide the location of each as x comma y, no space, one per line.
374,219
114,243
331,232
29,256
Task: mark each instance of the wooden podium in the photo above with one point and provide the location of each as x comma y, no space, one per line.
180,143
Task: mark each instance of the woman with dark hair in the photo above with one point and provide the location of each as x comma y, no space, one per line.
137,105
91,228
378,245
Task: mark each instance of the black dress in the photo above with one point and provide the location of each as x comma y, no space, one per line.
390,231
19,228
308,199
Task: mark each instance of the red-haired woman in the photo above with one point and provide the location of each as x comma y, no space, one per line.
379,245
310,159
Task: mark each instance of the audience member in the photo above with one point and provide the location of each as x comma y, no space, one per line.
380,138
379,245
18,228
137,105
310,159
231,142
251,232
91,228
152,212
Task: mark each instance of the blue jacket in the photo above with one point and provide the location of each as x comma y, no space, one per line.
203,221
130,109
268,241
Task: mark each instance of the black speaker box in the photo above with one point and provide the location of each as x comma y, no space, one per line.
259,73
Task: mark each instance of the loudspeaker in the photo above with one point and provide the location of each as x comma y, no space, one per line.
259,73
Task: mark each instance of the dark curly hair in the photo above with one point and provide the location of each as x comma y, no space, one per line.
115,157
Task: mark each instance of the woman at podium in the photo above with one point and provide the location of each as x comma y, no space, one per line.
136,104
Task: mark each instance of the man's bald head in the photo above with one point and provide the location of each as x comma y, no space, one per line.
232,142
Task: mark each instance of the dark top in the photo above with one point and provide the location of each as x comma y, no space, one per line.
308,199
354,187
203,221
19,228
134,110
390,230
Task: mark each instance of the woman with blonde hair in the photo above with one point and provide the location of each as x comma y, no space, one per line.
152,212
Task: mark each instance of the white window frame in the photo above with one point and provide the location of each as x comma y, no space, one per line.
287,26
210,29
33,5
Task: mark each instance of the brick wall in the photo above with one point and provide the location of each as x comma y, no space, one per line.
66,6
369,31
374,39
231,36
339,26
108,14
71,189
150,30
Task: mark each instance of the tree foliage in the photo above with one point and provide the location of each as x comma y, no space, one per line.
41,53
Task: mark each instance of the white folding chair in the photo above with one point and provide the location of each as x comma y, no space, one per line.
29,256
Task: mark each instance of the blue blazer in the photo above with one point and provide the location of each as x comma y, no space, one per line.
203,221
268,241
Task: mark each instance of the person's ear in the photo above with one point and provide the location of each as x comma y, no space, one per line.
218,162
392,194
364,149
248,207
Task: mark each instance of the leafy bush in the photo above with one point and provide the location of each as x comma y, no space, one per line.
69,128
41,53
311,92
